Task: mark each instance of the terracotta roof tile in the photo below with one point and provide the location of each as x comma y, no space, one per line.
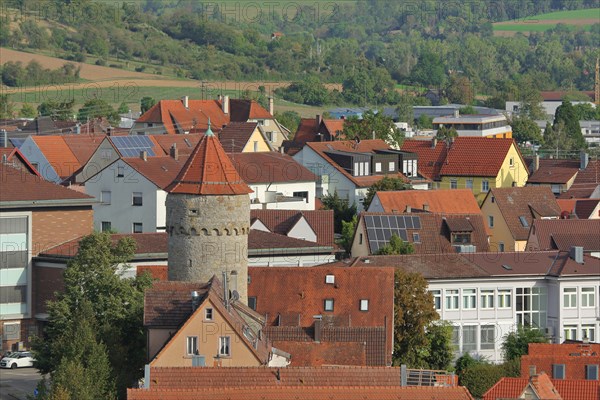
451,201
313,354
177,119
159,170
557,95
431,157
334,126
561,234
185,143
260,240
168,304
469,156
306,132
575,357
584,208
554,171
544,387
16,159
585,182
304,393
268,167
20,185
512,388
281,221
243,110
208,171
526,202
235,136
365,146
83,146
58,154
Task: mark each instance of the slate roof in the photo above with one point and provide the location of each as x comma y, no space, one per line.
512,388
526,202
365,146
22,186
208,171
281,221
267,167
235,136
434,235
451,201
554,171
561,234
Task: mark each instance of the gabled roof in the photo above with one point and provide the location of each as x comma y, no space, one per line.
185,143
580,208
208,171
270,167
15,158
281,221
235,136
365,146
177,119
471,156
306,132
243,110
333,126
159,170
58,154
431,155
554,171
22,188
519,206
512,388
557,95
451,201
271,241
561,234
543,387
83,146
434,234
586,181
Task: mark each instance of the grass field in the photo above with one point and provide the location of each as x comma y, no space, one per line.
577,19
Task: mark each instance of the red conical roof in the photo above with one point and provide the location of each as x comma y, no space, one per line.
208,171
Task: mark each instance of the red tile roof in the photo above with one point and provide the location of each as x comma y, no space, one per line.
584,208
334,126
22,186
512,388
306,132
267,167
83,146
365,146
260,240
185,143
58,154
561,234
315,354
575,357
543,387
431,157
451,201
281,221
177,119
558,95
243,110
554,171
208,171
529,202
469,156
159,170
304,393
146,243
585,182
235,136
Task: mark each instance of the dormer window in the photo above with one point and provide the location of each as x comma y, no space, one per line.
330,279
461,238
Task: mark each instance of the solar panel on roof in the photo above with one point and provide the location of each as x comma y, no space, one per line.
380,228
131,146
409,222
416,222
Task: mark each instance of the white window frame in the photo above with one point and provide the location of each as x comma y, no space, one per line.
588,297
570,297
392,166
484,333
224,346
589,331
469,184
486,299
469,299
377,167
452,299
437,299
366,168
364,305
504,298
472,331
191,345
356,169
570,332
453,183
485,186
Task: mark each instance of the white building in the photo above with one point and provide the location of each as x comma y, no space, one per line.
487,295
495,125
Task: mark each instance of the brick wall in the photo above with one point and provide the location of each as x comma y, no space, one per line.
52,227
46,281
574,356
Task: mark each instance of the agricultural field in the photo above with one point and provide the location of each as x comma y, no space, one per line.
540,23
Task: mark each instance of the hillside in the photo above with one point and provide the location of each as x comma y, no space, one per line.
543,22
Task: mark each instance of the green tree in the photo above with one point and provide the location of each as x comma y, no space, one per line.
567,114
97,108
516,343
57,110
146,103
342,210
424,122
468,110
289,119
374,125
27,111
404,110
430,70
587,112
93,277
525,129
439,335
459,90
444,133
396,246
348,228
386,184
7,107
309,90
530,101
123,108
413,314
480,377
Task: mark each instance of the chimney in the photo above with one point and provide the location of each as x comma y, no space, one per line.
532,371
219,97
186,101
78,129
226,105
319,119
408,209
5,138
536,163
456,113
433,143
271,106
109,131
577,254
318,328
584,158
425,207
144,155
174,152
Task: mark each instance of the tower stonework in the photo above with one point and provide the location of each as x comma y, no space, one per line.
208,219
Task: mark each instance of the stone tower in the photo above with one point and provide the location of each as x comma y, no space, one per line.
208,219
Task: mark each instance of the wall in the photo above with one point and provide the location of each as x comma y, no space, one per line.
360,249
34,155
518,173
120,212
104,155
140,128
500,232
52,227
287,189
256,136
46,281
334,179
208,333
462,184
578,316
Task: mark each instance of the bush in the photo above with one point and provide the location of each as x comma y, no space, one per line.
481,377
100,62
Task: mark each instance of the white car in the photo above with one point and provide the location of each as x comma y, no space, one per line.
17,360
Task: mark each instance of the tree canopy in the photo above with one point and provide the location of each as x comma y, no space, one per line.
374,125
516,343
396,246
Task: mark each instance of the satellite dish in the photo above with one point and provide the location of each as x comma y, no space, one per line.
235,296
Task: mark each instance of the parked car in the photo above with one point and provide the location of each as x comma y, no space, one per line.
17,360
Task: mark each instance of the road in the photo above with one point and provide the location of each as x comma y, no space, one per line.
18,383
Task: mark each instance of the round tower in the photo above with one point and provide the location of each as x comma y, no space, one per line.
208,219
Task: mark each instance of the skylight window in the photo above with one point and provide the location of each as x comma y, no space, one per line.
524,221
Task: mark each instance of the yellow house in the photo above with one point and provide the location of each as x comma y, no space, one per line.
481,164
244,137
189,324
509,214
